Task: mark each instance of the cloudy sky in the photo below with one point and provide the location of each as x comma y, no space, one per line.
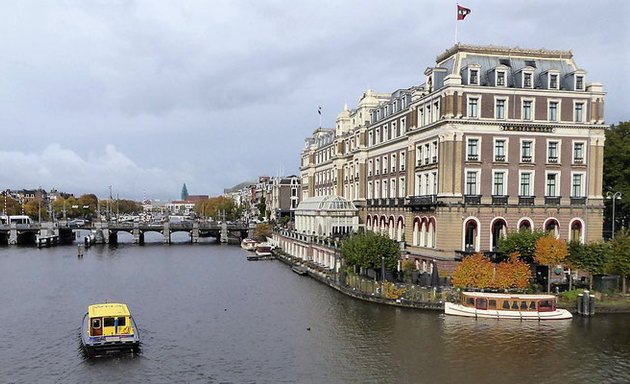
147,95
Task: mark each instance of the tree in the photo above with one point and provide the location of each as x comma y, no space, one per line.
262,231
522,242
128,207
588,257
10,206
513,273
474,271
216,206
619,257
616,175
550,251
368,249
87,205
262,208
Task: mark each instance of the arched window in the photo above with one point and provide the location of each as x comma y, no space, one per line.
416,232
471,232
552,228
525,225
400,231
499,229
431,234
576,231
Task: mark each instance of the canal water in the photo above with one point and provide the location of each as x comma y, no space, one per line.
207,315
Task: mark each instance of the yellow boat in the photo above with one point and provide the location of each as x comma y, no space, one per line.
109,327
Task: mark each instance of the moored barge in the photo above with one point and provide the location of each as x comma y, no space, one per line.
507,306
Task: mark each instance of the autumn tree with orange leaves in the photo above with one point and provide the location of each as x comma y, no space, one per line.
513,273
550,251
474,271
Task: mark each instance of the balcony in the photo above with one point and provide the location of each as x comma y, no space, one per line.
424,201
552,200
578,200
552,160
500,199
526,159
499,158
472,157
578,160
472,199
526,200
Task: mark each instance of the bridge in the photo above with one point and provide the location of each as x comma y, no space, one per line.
107,232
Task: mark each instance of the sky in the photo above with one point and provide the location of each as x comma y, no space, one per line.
144,96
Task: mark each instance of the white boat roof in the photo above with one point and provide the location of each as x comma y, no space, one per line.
521,296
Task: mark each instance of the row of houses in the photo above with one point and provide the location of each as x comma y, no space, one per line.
493,140
278,196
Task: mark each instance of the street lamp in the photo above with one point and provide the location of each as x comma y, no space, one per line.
614,196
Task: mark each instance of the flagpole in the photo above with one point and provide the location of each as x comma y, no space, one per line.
456,22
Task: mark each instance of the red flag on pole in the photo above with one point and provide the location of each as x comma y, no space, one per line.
462,12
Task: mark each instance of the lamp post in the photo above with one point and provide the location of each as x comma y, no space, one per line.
614,196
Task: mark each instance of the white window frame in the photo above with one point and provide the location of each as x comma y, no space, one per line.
505,107
532,178
582,184
401,187
477,173
477,109
531,109
470,155
558,149
575,82
403,126
506,145
557,183
557,103
496,78
532,150
576,103
550,74
477,71
582,160
504,184
531,79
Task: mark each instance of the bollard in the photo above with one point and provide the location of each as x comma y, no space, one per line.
586,304
80,251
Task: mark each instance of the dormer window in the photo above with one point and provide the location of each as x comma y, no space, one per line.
471,74
474,77
527,80
553,81
500,78
579,83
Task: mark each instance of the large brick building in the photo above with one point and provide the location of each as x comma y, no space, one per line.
494,140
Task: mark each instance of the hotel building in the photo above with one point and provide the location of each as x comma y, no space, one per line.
495,140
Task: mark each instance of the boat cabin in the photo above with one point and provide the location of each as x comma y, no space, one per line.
506,302
109,319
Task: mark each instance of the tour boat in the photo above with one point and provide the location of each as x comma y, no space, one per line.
263,249
299,269
248,244
109,327
507,306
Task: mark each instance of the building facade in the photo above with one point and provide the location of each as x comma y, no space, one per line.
494,140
